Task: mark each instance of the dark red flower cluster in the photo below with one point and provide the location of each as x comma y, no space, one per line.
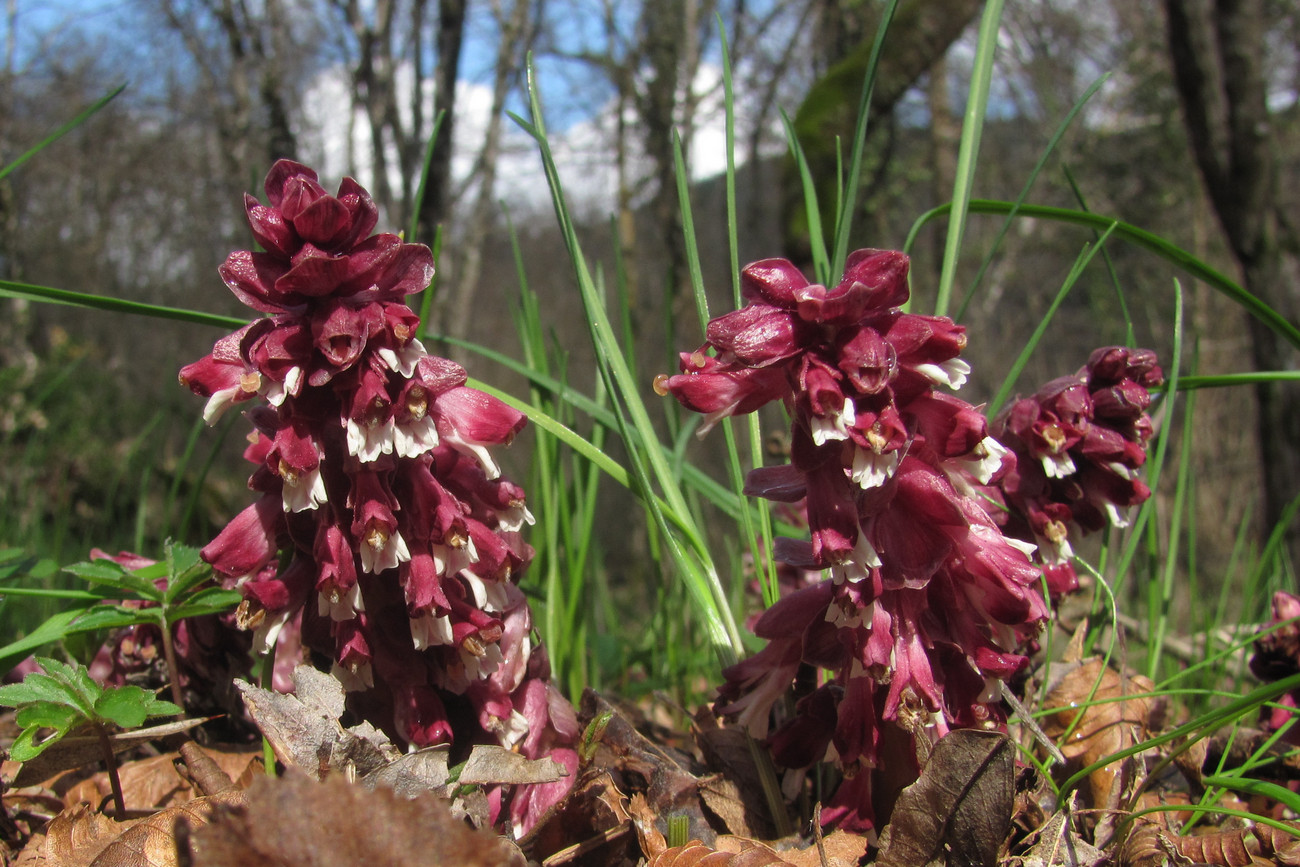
383,517
928,602
1277,655
1079,442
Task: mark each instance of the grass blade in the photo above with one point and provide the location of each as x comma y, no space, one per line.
63,130
968,151
1140,238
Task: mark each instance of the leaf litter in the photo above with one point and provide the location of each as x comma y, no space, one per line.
347,795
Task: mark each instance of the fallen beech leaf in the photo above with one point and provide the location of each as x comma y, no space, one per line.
76,751
840,849
670,788
727,801
648,834
958,813
1055,844
152,842
1241,847
304,728
411,774
1147,845
592,810
153,782
83,837
203,771
1103,728
77,835
696,854
728,751
293,821
488,764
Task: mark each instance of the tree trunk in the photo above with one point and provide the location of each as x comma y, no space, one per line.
1217,50
437,192
945,138
458,306
921,32
665,25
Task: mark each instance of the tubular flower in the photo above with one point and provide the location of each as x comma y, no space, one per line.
927,601
384,531
1079,443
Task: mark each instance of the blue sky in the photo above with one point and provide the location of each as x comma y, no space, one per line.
114,30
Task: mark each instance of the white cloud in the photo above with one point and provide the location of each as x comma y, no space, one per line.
584,152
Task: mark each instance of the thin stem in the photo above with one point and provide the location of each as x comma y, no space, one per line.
110,765
173,673
266,680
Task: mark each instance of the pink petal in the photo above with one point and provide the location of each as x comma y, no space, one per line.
252,277
784,484
279,175
883,273
477,417
361,210
270,230
314,273
248,542
758,334
772,280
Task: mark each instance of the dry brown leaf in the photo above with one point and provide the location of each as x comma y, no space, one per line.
77,835
1150,844
696,854
648,834
737,796
727,801
1104,727
304,731
32,854
1241,847
76,751
411,774
490,764
152,842
1055,844
203,771
296,822
153,782
958,812
83,837
591,810
670,787
840,849
304,728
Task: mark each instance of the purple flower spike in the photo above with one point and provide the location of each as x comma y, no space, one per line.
1277,655
927,602
385,536
1079,442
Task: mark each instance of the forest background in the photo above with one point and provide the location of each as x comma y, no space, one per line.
1189,137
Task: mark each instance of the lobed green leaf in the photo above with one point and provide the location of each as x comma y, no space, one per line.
125,706
31,690
141,582
49,714
76,677
25,746
107,616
